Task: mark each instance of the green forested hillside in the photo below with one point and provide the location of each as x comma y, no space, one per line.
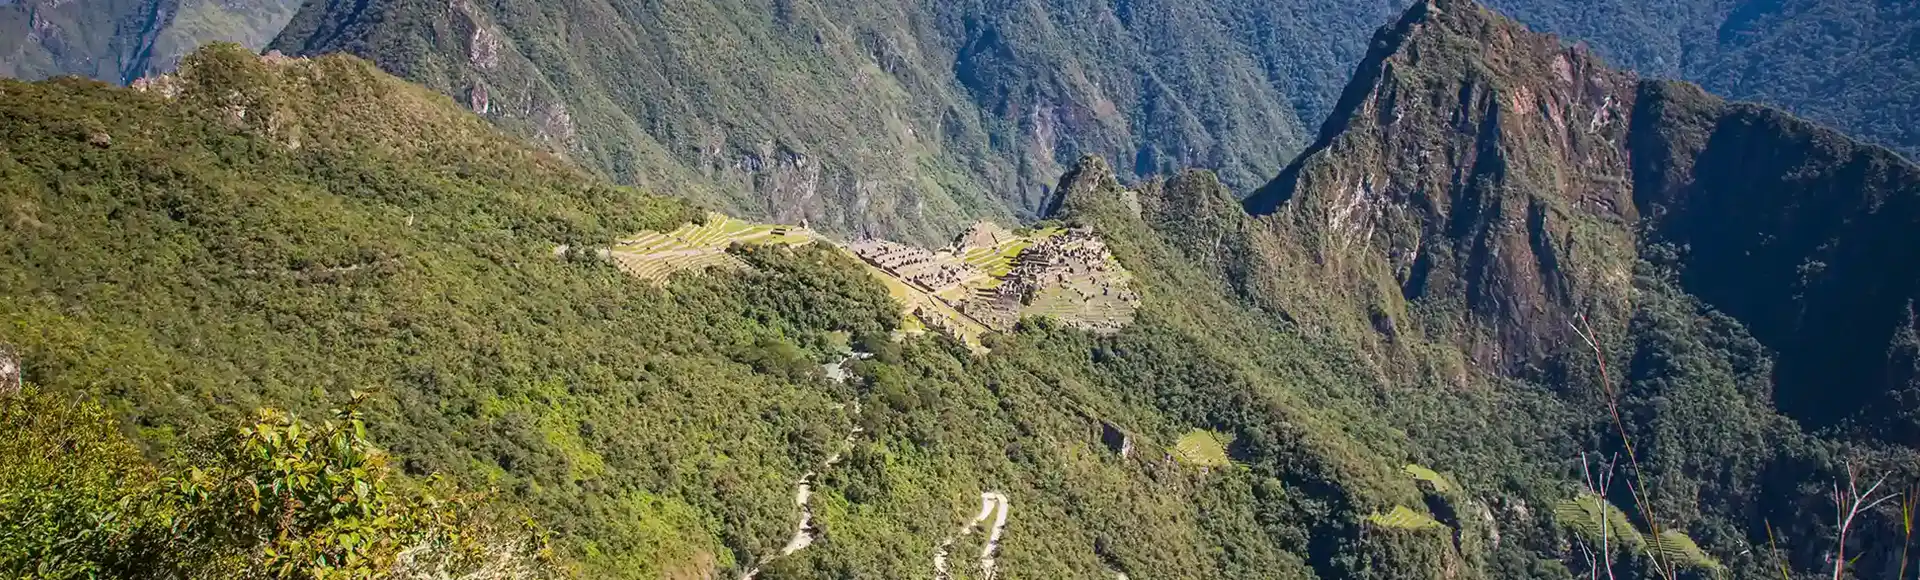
1502,269
1849,64
121,40
905,119
271,233
1741,270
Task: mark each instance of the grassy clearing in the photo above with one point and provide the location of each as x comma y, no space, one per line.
1439,482
1404,518
1201,448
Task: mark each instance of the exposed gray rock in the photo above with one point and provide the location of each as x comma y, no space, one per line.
9,371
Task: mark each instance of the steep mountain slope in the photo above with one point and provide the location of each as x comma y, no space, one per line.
993,97
904,119
1848,64
1519,201
119,41
1486,188
278,232
1798,232
1472,157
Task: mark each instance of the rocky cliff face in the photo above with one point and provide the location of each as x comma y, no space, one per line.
1507,185
895,119
1482,165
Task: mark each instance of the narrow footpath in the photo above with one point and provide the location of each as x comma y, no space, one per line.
993,504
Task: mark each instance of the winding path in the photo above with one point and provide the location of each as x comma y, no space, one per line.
803,533
994,504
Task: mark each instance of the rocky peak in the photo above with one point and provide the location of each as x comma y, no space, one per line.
1089,180
1507,183
1468,153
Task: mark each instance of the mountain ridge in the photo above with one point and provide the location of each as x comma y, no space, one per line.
901,121
1379,368
129,39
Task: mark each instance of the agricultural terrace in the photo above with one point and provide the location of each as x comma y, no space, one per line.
1404,518
1201,448
655,256
997,260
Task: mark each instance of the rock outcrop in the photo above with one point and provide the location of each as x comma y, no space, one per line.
9,371
1508,184
1484,166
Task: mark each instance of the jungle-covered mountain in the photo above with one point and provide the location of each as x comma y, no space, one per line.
120,41
1851,65
1518,200
902,119
911,120
1501,271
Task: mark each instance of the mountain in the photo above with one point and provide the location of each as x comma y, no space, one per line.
1525,201
122,40
1512,314
1742,271
912,121
1850,65
900,119
279,233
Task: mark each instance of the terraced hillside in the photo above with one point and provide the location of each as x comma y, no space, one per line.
990,278
986,281
696,246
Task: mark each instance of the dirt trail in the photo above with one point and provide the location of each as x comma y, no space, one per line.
803,533
991,504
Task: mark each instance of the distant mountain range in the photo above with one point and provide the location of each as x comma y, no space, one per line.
913,121
1510,312
119,41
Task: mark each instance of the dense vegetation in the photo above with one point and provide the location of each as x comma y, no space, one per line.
278,234
1743,272
1846,63
122,40
277,497
1390,348
907,119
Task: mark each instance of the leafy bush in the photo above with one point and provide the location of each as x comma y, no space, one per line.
277,498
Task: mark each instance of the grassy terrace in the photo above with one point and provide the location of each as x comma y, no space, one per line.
656,256
997,261
1404,518
1201,448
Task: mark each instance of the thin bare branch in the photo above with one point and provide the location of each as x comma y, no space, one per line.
1847,506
